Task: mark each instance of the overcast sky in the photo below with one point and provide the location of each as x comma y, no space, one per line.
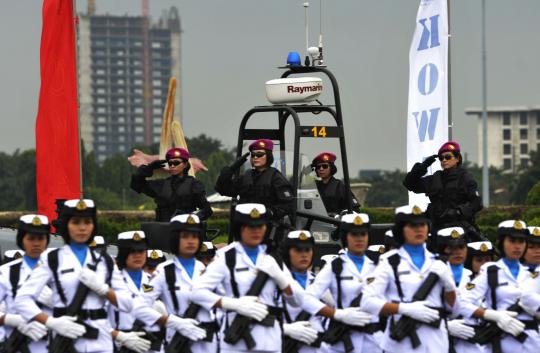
230,48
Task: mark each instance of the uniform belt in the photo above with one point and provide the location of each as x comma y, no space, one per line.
93,314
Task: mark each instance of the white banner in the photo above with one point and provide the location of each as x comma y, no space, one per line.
427,118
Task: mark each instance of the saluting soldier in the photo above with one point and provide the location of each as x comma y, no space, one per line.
301,329
32,237
180,193
252,281
173,282
65,270
411,285
337,197
346,277
132,334
452,191
501,284
262,184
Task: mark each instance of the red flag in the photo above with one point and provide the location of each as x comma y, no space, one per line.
57,144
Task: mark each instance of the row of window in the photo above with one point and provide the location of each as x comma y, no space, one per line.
122,129
523,134
507,163
523,118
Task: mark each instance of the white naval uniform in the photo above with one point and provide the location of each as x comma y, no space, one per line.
268,339
352,284
183,289
383,289
69,269
462,346
315,321
508,291
25,271
124,321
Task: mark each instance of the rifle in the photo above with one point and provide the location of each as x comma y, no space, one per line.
239,328
180,343
290,345
406,326
17,342
62,344
490,331
339,331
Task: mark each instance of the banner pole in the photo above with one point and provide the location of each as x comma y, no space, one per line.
485,165
75,36
449,78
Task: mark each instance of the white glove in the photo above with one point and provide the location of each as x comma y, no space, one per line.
300,331
159,306
45,297
457,328
352,316
94,282
272,269
246,306
446,277
14,320
418,311
505,320
133,341
34,329
187,327
66,326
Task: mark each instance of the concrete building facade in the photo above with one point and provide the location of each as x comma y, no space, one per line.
124,66
513,132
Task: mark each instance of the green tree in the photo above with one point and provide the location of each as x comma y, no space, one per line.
533,197
527,178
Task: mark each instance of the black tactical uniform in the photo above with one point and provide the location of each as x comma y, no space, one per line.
177,194
453,195
336,195
268,187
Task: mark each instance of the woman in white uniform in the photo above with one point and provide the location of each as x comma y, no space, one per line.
346,277
32,237
71,267
500,283
395,292
251,322
301,330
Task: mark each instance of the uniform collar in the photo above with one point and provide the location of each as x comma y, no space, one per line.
429,258
240,248
523,272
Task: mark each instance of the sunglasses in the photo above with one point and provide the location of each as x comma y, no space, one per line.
174,163
322,166
257,154
446,157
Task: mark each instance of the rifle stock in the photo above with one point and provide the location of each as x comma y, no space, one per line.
290,345
339,331
17,342
490,331
180,343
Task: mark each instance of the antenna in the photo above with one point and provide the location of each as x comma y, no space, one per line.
320,58
306,22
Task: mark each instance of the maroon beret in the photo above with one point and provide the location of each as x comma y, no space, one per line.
450,146
262,144
177,152
325,157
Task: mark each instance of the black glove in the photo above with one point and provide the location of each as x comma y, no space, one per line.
241,160
429,161
145,171
160,163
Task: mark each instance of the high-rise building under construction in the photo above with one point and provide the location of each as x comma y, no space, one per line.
124,67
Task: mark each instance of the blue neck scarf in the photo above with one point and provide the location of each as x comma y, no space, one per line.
417,254
30,261
457,270
136,277
513,266
252,253
188,264
357,260
301,278
80,251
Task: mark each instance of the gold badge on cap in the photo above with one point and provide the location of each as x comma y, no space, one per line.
302,236
177,153
358,221
93,244
518,225
261,143
536,232
154,255
255,213
204,248
382,250
534,274
36,221
191,220
81,205
416,211
452,147
483,248
455,234
17,255
325,157
136,237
